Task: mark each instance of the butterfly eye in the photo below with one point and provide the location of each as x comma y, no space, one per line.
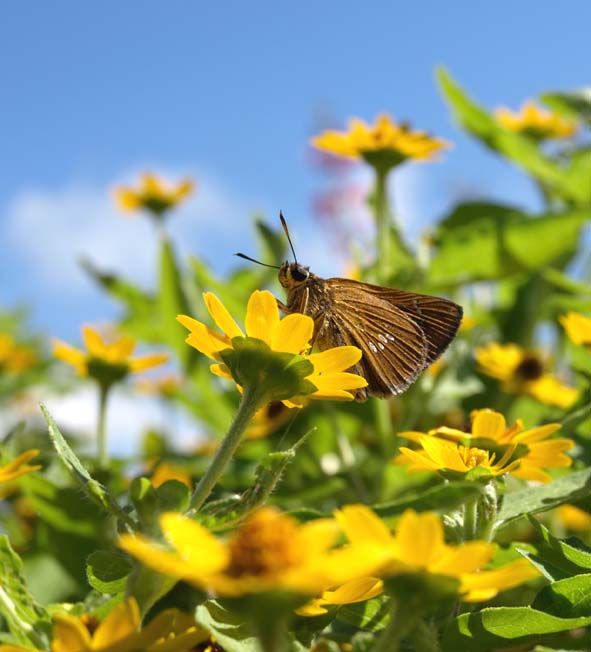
299,273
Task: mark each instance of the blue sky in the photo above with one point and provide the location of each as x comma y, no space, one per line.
94,93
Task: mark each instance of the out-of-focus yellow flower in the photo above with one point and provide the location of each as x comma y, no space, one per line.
418,548
578,328
153,194
523,371
268,419
535,121
290,334
575,519
167,471
385,144
19,466
524,453
271,551
165,386
104,361
358,590
468,323
171,631
14,357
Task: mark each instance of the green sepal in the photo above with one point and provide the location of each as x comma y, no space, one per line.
277,376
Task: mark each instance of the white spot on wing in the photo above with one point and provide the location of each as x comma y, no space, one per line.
372,346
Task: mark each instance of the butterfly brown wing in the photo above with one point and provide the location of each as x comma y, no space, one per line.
438,318
393,345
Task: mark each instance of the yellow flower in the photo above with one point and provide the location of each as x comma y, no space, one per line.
153,195
171,631
357,590
268,419
525,453
523,371
575,519
105,361
290,334
19,466
14,357
270,551
578,328
165,386
385,143
418,548
532,120
166,471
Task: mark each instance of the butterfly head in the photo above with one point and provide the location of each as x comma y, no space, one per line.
291,275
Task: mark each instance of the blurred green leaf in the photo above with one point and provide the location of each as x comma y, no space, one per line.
482,242
576,104
566,489
107,571
371,615
500,627
27,621
520,149
228,627
172,302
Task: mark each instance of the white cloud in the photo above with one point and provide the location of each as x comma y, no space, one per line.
48,230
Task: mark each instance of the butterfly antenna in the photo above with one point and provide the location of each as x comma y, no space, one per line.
258,262
284,225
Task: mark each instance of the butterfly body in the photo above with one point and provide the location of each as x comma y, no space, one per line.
400,333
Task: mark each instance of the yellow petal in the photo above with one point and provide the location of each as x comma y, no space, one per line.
486,584
93,342
262,316
339,358
122,348
147,362
222,318
122,621
69,354
293,334
357,590
318,535
488,424
69,635
360,525
419,538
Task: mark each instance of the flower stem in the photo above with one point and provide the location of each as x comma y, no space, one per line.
252,399
403,618
101,429
470,519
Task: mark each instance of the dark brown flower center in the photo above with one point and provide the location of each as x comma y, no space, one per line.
90,622
530,367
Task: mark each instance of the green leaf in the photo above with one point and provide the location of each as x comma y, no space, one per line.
480,241
107,572
371,615
93,489
27,621
566,489
277,375
557,558
443,497
228,628
576,104
520,149
499,627
568,598
173,302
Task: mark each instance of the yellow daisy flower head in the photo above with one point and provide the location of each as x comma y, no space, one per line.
271,351
574,519
417,548
384,144
578,328
153,194
169,471
170,631
534,121
105,361
19,466
14,357
524,371
270,551
269,419
523,453
165,386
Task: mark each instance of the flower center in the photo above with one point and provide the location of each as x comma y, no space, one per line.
473,457
90,622
530,367
266,544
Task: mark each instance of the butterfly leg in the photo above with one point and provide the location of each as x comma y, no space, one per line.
282,306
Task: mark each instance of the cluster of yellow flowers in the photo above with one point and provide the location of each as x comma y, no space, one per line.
14,357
